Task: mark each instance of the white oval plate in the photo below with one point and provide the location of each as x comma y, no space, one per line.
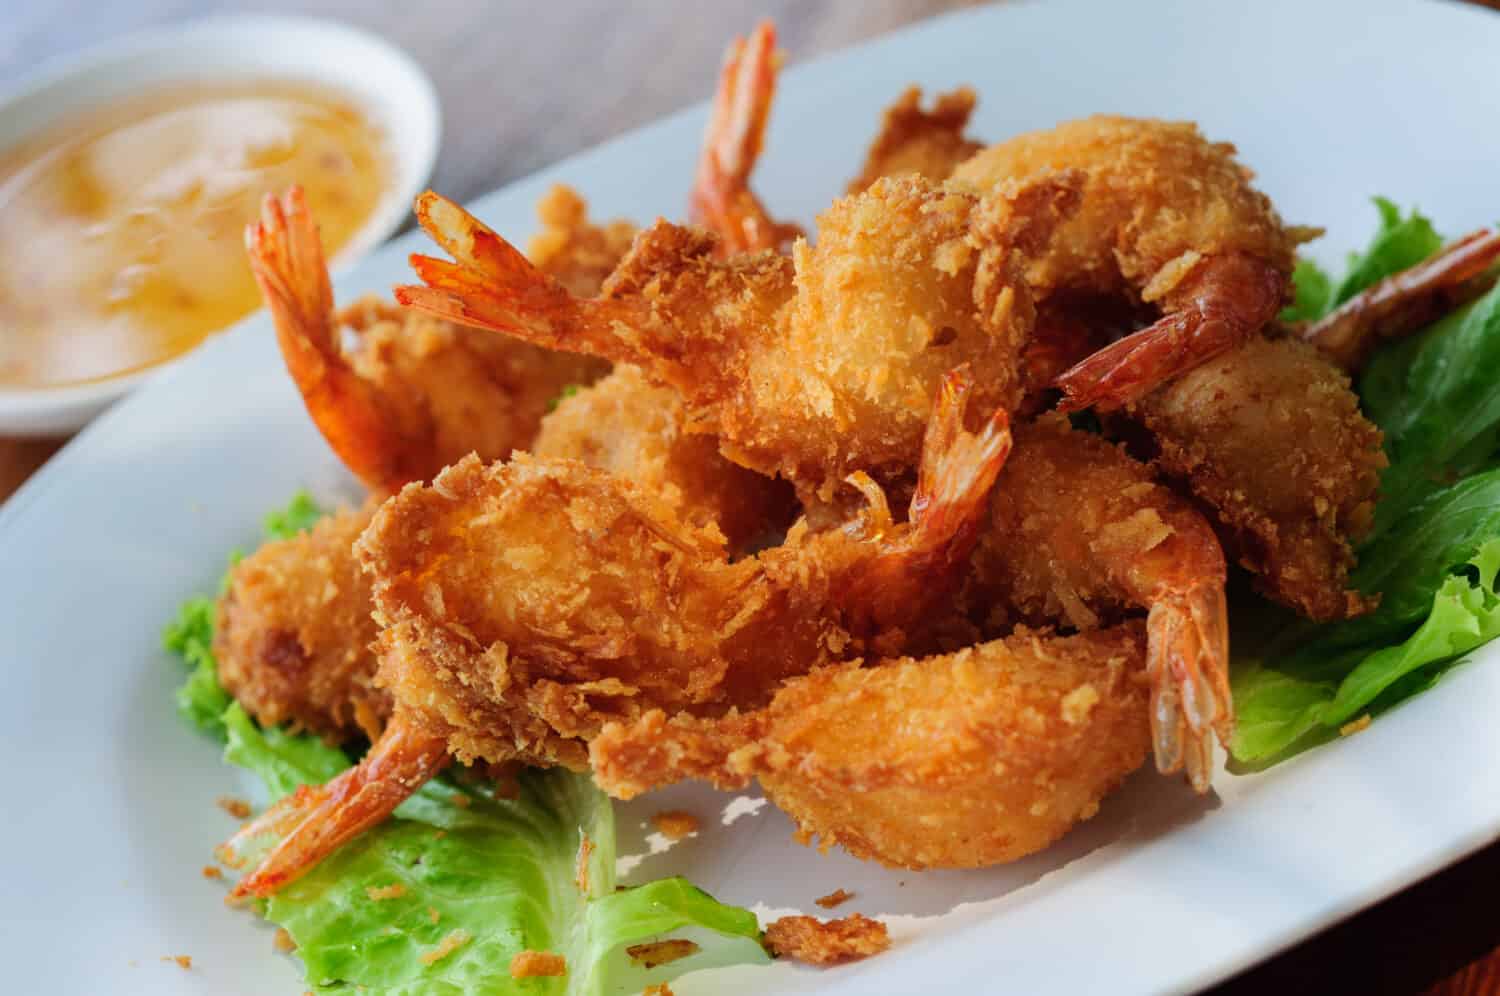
380,78
110,799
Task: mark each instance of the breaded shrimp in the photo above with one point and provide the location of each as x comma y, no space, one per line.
1080,535
629,427
1270,437
526,604
1167,218
576,252
958,761
293,635
810,367
414,394
721,199
912,140
1406,301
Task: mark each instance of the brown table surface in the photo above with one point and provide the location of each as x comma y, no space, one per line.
1439,937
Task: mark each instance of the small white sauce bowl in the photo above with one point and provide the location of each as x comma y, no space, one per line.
383,81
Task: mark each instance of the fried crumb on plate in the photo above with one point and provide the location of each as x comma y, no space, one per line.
283,941
212,871
1355,725
184,962
675,824
826,942
238,808
450,943
660,989
834,898
530,964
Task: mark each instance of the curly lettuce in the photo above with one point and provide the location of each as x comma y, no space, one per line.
441,897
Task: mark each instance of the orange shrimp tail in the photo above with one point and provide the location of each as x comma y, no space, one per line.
286,257
1407,301
957,471
721,200
1228,300
315,821
491,285
1187,663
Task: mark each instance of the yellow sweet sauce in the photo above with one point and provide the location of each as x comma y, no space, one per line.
121,233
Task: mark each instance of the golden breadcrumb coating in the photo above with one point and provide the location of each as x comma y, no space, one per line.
1270,438
293,633
575,251
826,942
961,760
913,140
627,426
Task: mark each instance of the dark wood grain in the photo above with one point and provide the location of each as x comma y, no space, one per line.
524,84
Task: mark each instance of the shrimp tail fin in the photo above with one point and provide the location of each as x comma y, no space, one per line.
1187,663
286,258
1406,301
315,821
721,200
656,750
1223,303
958,469
491,285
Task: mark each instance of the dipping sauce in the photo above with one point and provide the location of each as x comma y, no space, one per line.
121,233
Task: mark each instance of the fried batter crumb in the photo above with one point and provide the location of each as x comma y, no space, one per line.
461,801
450,943
393,891
212,871
433,914
661,952
660,989
238,808
1355,725
184,962
826,942
585,852
675,824
283,941
529,964
834,898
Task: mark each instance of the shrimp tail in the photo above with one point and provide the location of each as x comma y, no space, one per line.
721,200
1187,664
958,469
1229,299
286,257
315,821
491,285
1406,301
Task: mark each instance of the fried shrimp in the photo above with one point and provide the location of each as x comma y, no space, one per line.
957,761
1167,219
1080,535
525,604
810,367
1406,301
293,635
721,199
414,394
1270,437
629,427
913,140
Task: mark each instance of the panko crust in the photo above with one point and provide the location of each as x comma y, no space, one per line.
826,942
913,140
1159,197
957,761
1271,438
293,633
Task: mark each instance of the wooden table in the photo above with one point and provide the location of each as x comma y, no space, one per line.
597,68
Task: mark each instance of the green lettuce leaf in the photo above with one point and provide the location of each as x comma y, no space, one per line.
1314,291
477,878
1400,243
